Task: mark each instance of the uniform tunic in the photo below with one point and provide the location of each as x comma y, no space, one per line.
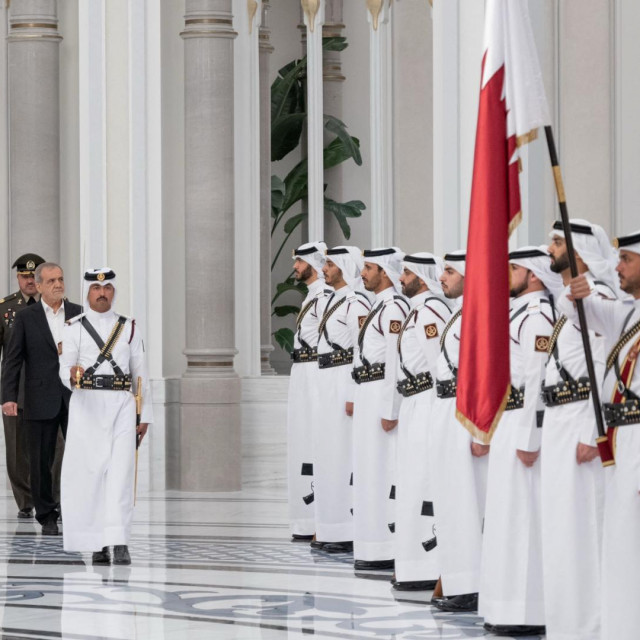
511,590
415,522
374,448
572,498
303,402
332,430
98,467
621,529
458,482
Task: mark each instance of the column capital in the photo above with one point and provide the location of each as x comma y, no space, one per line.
33,21
264,37
378,12
209,19
313,12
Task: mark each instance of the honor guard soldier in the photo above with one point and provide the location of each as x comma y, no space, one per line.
15,431
338,331
511,594
619,322
303,389
103,363
572,475
375,412
416,566
458,464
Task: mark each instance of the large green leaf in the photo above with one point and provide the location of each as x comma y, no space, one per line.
337,127
334,44
284,337
297,184
291,224
285,134
286,310
284,89
278,189
336,152
343,210
289,285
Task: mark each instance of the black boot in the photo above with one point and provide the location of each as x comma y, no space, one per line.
101,557
121,554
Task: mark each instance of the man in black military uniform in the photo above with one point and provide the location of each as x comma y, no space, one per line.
15,432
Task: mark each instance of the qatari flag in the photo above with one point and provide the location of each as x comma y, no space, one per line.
512,106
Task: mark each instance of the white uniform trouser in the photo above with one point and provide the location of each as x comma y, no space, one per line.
332,446
413,491
572,512
459,496
303,395
373,475
511,590
96,485
621,540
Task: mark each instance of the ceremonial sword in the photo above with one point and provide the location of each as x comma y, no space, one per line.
138,398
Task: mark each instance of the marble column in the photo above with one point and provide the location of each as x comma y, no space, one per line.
209,444
265,50
34,126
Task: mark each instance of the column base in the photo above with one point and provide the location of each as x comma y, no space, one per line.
265,366
209,441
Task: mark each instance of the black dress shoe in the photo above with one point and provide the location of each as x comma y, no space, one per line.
338,547
50,527
101,557
121,554
515,630
295,537
415,585
25,513
464,602
373,565
437,599
317,544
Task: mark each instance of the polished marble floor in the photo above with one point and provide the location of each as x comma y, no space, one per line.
204,566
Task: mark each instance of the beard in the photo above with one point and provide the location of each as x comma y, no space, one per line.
514,292
306,274
411,288
560,263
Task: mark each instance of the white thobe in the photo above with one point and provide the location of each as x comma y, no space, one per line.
458,481
621,529
302,404
572,499
415,522
332,428
96,485
374,448
511,590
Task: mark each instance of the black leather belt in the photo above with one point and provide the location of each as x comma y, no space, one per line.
619,414
304,355
107,383
566,391
415,384
368,373
336,358
516,399
446,388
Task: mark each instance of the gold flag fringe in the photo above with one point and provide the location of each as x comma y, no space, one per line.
517,219
484,436
526,138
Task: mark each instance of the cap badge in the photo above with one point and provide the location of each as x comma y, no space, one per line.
100,277
31,264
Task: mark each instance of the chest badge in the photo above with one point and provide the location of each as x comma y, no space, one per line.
431,330
395,326
542,344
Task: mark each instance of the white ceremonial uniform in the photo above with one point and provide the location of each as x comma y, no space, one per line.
511,590
419,346
374,448
572,496
621,529
98,467
458,481
332,431
303,403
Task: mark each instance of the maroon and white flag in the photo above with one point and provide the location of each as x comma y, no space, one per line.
512,107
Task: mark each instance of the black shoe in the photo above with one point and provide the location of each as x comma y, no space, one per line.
50,527
295,537
373,565
415,585
435,600
25,513
515,629
316,544
338,547
101,557
464,602
121,554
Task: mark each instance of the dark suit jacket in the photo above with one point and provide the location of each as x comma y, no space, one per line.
9,308
32,343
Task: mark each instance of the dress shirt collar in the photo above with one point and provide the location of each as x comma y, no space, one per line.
49,310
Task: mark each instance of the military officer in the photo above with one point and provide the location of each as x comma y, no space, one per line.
416,565
309,259
511,592
619,322
375,411
15,431
103,363
346,308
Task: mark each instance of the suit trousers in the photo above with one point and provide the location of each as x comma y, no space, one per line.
43,435
16,443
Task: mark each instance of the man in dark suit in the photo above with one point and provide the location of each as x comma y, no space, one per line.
37,342
15,431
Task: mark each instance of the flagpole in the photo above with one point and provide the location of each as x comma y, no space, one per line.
602,441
